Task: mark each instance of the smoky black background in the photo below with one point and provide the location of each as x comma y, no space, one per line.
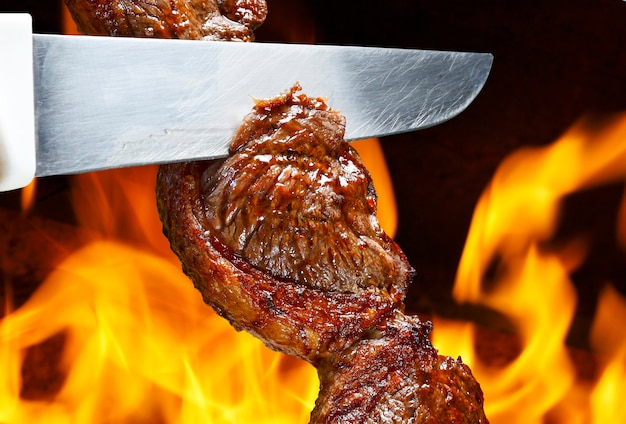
555,61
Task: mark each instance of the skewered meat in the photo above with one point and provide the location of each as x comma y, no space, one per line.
248,230
281,238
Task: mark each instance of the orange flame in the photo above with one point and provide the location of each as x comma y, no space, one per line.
139,337
373,158
517,212
606,397
140,345
27,196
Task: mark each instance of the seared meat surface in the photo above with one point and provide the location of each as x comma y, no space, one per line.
281,239
394,375
294,200
184,19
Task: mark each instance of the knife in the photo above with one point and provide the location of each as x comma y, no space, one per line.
74,104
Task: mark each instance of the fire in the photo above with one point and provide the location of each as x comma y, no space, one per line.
28,195
139,338
373,158
138,343
606,396
507,266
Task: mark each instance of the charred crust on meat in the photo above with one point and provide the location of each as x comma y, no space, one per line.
288,213
293,190
238,290
399,378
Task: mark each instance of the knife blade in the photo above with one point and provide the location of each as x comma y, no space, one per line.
107,102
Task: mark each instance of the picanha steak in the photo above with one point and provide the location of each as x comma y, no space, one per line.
281,238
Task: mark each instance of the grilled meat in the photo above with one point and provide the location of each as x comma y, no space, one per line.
184,19
281,238
394,375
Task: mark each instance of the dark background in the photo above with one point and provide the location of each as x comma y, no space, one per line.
555,61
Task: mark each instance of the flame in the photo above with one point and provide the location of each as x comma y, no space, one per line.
27,196
138,337
138,343
373,157
67,23
606,396
507,266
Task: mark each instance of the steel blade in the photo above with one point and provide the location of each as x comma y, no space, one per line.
105,102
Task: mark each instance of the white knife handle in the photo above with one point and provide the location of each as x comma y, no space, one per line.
17,103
